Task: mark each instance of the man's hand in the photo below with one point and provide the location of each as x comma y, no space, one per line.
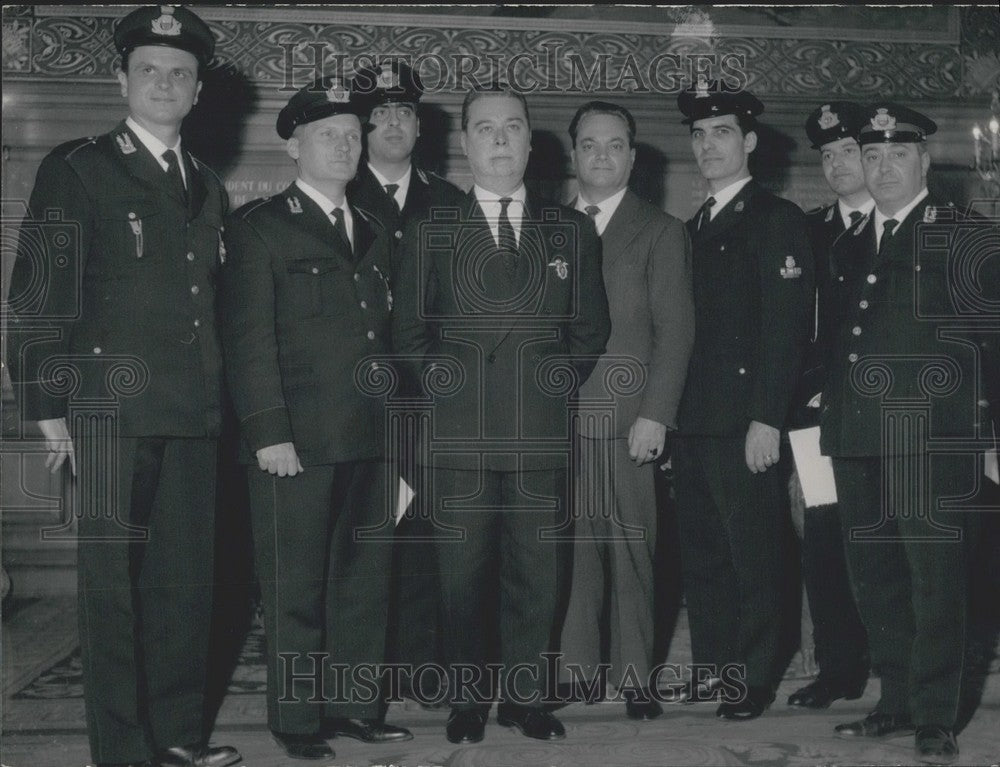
645,440
762,446
59,444
279,459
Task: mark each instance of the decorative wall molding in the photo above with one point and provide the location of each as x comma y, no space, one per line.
73,43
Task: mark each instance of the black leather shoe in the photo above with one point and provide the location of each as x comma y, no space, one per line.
640,705
466,725
935,744
821,693
198,756
368,730
753,704
303,746
875,725
532,722
700,692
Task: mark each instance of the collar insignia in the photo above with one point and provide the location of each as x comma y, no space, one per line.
930,214
828,119
883,120
860,227
125,143
166,25
562,268
829,214
294,206
739,207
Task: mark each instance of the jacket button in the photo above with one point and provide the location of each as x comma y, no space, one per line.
743,371
856,330
374,366
315,270
190,256
357,277
364,304
195,290
722,247
864,303
371,335
872,279
97,350
399,234
852,357
916,268
197,323
840,278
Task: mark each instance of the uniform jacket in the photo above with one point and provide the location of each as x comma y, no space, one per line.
888,349
115,269
754,306
514,352
425,190
299,315
646,265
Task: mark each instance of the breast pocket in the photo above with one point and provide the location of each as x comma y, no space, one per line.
129,229
311,286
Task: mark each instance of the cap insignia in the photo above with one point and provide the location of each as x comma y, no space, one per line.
701,89
166,24
828,119
388,79
883,120
337,93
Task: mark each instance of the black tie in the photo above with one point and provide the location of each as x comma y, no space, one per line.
341,227
174,174
508,242
855,216
592,211
703,214
887,228
391,189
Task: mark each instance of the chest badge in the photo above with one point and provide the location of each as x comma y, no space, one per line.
561,267
294,206
790,271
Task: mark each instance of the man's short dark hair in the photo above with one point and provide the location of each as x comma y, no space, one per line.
494,89
603,108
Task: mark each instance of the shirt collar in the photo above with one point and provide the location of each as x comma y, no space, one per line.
403,182
724,196
484,196
899,216
607,206
845,211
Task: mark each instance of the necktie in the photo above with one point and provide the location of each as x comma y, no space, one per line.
703,214
174,173
592,211
508,242
337,214
855,216
887,228
391,189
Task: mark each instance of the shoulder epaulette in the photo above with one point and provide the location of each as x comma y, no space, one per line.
70,148
368,216
251,206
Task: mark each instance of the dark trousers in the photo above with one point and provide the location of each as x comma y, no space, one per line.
730,526
324,586
146,530
839,635
910,580
503,553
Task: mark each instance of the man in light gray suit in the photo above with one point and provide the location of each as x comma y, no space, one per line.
626,408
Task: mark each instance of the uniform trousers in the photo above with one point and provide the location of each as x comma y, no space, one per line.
146,511
910,580
730,525
503,552
610,612
324,587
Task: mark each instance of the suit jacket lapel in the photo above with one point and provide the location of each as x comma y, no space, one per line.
364,235
311,218
197,191
621,229
735,212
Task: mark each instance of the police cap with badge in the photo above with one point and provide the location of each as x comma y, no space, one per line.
169,25
834,121
715,99
323,97
393,82
888,123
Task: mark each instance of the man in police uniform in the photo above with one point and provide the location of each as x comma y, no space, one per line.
646,266
397,191
505,301
841,646
908,561
306,300
753,296
140,325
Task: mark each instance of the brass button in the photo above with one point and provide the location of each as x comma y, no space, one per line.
856,330
872,279
97,350
315,270
371,335
852,357
399,235
190,256
195,290
364,304
743,371
197,323
864,303
357,277
840,278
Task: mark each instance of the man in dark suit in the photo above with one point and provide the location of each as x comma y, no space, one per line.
839,636
899,383
753,296
647,275
502,310
307,299
129,265
397,191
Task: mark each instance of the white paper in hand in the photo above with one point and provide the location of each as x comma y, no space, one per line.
815,469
